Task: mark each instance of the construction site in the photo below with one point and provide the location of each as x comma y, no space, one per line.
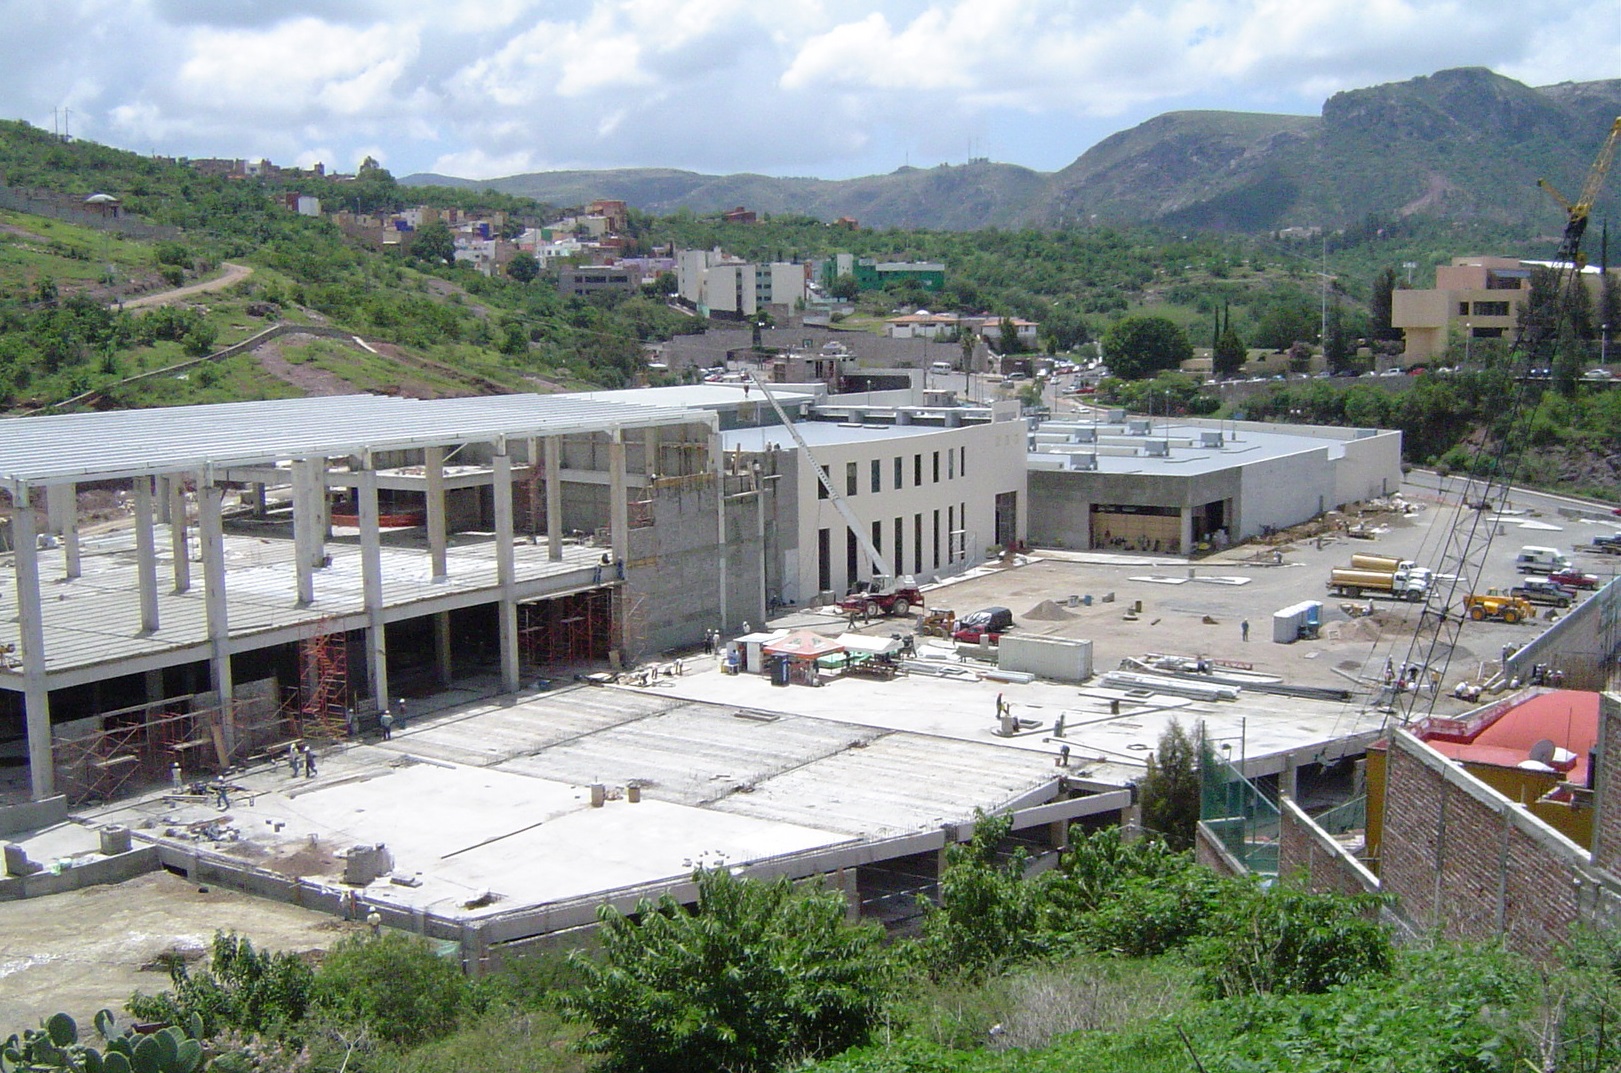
497,662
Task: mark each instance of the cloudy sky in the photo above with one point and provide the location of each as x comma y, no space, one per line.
827,88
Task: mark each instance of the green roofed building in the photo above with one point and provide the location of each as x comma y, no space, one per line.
872,275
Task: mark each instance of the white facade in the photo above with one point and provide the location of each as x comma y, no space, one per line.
927,497
713,282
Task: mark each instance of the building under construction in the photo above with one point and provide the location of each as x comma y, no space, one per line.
294,564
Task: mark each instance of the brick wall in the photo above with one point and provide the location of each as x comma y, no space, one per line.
1468,863
1322,864
1607,786
1208,851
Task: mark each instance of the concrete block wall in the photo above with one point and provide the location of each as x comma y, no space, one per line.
673,572
1308,852
1208,851
1580,643
1467,863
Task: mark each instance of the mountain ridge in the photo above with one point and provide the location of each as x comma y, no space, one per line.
1461,144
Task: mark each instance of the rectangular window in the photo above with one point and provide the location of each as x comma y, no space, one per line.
1491,309
951,534
900,552
937,467
852,559
951,464
821,485
963,466
937,540
900,475
917,470
1463,309
877,476
824,560
917,543
849,478
877,539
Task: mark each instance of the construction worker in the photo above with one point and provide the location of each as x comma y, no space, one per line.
386,721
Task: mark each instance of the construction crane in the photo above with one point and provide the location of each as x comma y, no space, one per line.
887,592
1493,468
1570,247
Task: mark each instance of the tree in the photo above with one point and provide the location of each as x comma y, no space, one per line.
523,267
757,975
988,915
395,985
1381,307
1007,337
1337,347
1136,347
1170,790
1291,941
1227,355
434,242
845,287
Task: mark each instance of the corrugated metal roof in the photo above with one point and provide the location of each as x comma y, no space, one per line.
126,443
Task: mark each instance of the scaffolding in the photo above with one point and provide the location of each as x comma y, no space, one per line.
323,673
577,628
137,748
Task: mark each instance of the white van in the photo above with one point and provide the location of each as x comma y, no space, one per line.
940,367
1535,560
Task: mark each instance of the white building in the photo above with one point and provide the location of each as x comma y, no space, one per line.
932,497
714,282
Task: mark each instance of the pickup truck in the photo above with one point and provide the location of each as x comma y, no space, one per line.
1542,591
1609,544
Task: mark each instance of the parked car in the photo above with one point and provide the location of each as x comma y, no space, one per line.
1574,579
991,621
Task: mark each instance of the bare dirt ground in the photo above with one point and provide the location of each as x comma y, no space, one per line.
91,949
307,378
233,274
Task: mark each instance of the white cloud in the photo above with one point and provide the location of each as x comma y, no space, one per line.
830,87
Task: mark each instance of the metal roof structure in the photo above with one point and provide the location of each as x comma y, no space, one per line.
65,448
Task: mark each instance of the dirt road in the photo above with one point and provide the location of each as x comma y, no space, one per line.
234,273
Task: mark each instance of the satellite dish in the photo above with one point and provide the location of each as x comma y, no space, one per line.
1542,752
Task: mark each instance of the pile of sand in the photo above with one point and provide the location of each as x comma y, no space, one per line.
1047,611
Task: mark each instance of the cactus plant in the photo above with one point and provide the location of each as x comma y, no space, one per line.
56,1046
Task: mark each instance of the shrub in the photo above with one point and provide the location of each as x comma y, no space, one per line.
757,975
395,985
1291,941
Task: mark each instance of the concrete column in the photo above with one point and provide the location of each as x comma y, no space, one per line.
554,498
259,500
371,584
650,454
146,555
443,666
718,456
210,530
506,573
533,488
434,462
618,505
62,504
1187,531
1289,777
177,533
154,686
165,485
31,631
302,532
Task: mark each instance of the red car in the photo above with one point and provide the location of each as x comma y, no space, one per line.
1574,579
990,623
